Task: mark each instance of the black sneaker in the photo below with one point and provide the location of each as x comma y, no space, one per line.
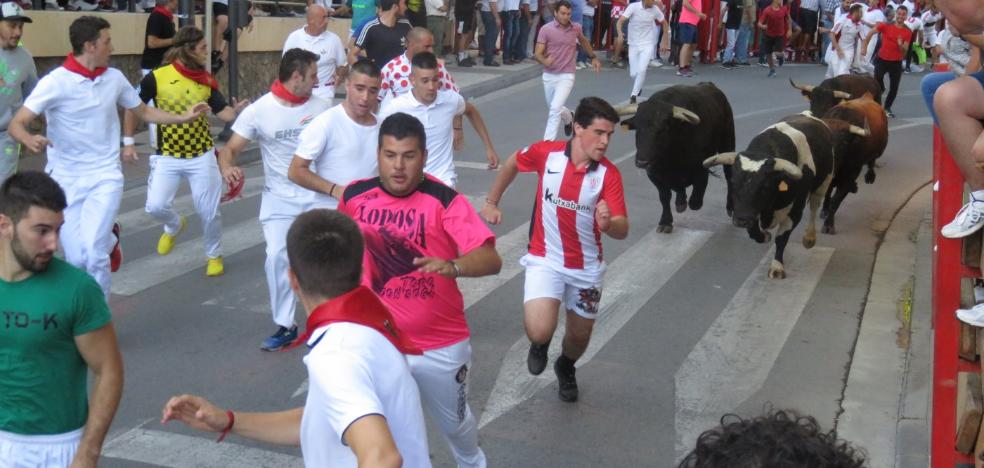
467,62
536,360
567,383
889,113
632,99
729,65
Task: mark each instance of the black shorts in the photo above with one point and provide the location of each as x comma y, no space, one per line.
464,16
769,44
807,20
220,9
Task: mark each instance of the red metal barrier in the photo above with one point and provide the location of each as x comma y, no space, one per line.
708,33
947,272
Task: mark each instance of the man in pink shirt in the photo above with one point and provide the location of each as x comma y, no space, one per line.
556,49
420,236
690,16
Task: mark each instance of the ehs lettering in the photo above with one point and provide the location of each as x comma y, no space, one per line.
22,320
408,221
289,134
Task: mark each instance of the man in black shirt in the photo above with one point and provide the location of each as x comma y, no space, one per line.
385,36
730,25
159,36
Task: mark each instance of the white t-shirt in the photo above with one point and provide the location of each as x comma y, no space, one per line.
354,372
331,55
849,32
437,119
342,150
872,16
929,20
642,24
276,128
83,120
913,23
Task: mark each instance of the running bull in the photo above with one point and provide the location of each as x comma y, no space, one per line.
860,130
832,91
676,129
783,167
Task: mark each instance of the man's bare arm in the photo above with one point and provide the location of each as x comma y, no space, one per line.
101,353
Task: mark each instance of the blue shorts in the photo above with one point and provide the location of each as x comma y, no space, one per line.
979,76
687,33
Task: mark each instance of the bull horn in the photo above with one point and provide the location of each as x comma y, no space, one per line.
627,109
842,94
680,113
789,168
800,87
726,159
859,131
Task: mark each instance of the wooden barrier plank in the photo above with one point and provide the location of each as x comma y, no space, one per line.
969,406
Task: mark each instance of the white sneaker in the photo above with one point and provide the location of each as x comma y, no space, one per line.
973,316
969,219
581,66
656,63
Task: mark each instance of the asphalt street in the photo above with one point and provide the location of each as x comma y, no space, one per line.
692,328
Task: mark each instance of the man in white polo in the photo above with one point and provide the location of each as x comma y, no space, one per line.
79,101
315,37
436,109
275,121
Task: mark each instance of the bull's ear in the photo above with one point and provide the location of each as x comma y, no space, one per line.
628,124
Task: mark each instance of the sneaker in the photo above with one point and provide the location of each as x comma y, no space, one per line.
618,64
772,72
492,64
763,64
166,242
116,256
567,383
745,64
632,99
214,267
782,59
580,66
568,119
536,360
466,62
916,69
656,63
968,220
889,113
973,316
729,65
283,337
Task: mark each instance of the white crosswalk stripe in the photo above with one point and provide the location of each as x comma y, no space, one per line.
633,278
168,449
735,355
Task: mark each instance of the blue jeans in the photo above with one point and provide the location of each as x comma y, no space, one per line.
524,38
587,27
741,44
491,34
732,44
826,23
510,33
932,82
577,11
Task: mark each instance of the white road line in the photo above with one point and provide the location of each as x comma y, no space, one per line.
137,220
917,122
734,357
151,270
168,449
767,111
482,166
633,278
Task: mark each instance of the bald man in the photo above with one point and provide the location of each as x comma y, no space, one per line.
316,38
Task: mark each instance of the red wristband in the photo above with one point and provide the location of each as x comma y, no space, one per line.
225,431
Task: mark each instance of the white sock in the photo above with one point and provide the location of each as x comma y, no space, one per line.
462,55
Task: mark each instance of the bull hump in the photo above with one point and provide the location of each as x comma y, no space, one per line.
804,155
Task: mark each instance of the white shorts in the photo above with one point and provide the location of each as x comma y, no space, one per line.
38,451
578,290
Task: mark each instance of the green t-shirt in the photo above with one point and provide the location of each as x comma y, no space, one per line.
42,375
361,11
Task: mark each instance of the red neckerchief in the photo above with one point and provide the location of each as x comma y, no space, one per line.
360,306
198,76
165,12
278,89
74,66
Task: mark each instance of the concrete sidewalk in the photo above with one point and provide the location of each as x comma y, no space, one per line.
472,82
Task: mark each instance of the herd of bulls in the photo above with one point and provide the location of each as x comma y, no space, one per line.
814,157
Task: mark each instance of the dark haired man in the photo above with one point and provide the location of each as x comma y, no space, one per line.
384,37
275,121
18,79
895,37
363,407
57,327
79,101
420,236
437,108
580,196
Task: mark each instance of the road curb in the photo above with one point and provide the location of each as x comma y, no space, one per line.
875,384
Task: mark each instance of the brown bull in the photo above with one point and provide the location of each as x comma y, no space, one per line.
835,90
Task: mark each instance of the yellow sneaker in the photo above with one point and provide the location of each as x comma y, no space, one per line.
214,267
166,242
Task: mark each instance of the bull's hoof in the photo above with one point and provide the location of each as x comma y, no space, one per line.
776,271
869,177
766,237
828,229
731,213
681,207
664,228
823,214
695,204
810,241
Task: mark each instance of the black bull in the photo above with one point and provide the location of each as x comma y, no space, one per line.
676,130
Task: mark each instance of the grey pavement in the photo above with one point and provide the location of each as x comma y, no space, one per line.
691,328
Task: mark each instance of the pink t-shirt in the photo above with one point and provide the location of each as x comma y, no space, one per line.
561,44
434,221
689,17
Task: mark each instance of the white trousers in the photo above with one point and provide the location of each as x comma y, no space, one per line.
87,235
837,66
205,181
867,64
276,215
9,155
557,87
38,451
442,376
639,58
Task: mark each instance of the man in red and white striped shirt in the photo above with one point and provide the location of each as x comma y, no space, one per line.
579,196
